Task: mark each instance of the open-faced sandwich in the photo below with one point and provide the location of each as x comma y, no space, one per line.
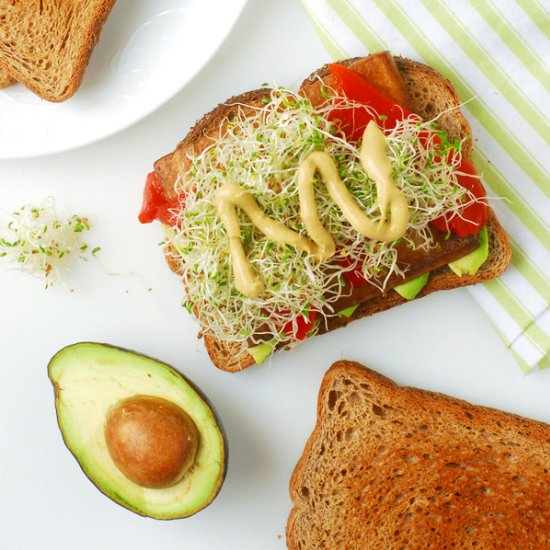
46,46
292,214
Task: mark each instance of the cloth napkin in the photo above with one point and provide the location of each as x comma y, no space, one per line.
497,55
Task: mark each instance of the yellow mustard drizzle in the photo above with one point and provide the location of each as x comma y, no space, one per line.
321,244
228,198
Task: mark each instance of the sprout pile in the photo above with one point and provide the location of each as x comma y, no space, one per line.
261,149
43,239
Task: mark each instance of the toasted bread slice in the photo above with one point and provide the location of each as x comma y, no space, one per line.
428,94
5,78
395,467
46,45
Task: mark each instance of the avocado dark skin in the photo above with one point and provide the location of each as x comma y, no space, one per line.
89,380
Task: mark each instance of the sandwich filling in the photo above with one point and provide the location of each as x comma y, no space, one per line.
262,150
391,225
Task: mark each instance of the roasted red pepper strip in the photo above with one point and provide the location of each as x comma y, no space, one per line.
474,216
355,277
155,205
352,85
303,325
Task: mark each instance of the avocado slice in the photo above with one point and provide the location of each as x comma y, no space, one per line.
410,289
89,379
469,264
262,351
348,311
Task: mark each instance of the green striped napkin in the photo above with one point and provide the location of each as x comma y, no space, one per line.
497,55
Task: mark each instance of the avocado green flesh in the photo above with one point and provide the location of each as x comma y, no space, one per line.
469,264
262,351
410,289
347,312
89,379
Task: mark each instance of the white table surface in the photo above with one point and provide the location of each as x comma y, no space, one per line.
443,342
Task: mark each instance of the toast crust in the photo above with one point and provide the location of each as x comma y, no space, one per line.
46,46
5,78
393,467
430,94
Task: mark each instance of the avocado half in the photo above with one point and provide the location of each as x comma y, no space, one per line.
88,379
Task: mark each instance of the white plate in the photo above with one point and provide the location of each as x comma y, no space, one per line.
147,52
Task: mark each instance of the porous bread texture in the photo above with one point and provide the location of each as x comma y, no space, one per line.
430,94
46,44
5,78
397,467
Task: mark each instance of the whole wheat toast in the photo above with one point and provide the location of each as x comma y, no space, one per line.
428,94
5,78
397,467
46,45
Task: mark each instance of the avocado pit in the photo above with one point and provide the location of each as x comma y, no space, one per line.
151,440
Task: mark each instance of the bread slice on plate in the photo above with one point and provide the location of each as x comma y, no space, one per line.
408,83
46,45
397,467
